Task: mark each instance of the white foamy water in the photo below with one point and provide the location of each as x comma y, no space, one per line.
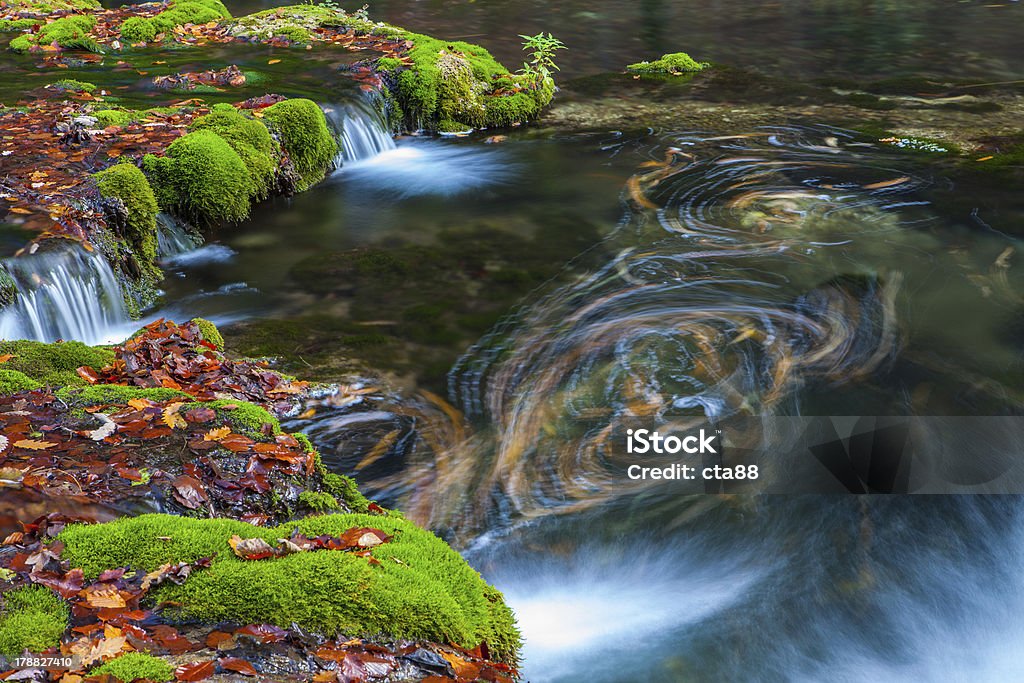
69,294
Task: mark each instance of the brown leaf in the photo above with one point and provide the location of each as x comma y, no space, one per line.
196,671
251,548
189,491
103,596
32,445
237,665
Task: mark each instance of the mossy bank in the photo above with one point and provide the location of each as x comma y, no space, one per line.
413,586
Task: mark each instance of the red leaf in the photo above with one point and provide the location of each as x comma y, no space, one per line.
196,671
238,666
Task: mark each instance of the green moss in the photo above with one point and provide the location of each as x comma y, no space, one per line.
113,117
318,502
146,29
33,618
48,6
385,64
674,63
307,445
244,417
421,588
133,666
345,488
115,394
249,138
138,30
127,183
202,177
70,32
210,332
13,25
296,34
8,288
305,136
54,364
72,84
12,381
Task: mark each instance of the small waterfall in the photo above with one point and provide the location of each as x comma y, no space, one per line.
361,131
174,237
68,294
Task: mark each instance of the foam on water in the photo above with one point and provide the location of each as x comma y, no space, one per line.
68,294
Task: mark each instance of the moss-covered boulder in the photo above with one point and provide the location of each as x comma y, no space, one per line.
32,618
412,586
202,178
306,138
178,13
72,32
127,184
53,364
249,138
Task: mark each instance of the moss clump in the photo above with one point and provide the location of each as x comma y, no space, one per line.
33,618
12,381
318,502
72,84
306,138
133,666
127,183
249,138
138,30
209,332
48,6
244,417
345,488
202,177
113,117
115,394
421,588
674,63
146,29
70,32
54,364
13,25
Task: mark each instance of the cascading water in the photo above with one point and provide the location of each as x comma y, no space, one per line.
362,133
174,237
68,294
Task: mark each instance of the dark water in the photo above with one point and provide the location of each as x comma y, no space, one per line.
805,39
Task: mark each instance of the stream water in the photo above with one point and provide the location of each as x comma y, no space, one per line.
536,297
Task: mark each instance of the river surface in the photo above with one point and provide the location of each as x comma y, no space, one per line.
535,296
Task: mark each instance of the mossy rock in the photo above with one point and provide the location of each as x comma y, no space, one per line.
305,136
673,63
178,13
8,288
127,183
244,417
418,588
72,32
54,364
33,618
249,138
115,394
135,666
202,178
210,332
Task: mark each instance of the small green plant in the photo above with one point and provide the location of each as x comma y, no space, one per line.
542,48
